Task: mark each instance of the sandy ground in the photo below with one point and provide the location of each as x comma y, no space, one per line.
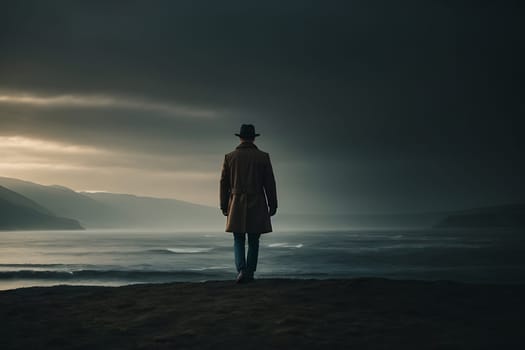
266,314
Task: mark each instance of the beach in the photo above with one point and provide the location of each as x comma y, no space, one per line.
371,313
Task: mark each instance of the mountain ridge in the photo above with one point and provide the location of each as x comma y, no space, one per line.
106,210
18,212
497,216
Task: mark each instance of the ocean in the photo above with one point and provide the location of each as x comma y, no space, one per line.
113,258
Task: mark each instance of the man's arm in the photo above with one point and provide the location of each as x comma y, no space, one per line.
224,196
270,187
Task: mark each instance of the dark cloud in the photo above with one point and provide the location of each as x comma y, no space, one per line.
374,104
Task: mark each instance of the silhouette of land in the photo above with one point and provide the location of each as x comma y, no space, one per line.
512,216
265,314
20,213
104,210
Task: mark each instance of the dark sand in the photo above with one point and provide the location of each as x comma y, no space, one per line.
266,314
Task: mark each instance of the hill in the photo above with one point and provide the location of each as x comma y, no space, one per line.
20,213
62,201
113,210
125,211
511,216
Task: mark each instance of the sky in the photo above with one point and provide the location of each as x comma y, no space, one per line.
364,106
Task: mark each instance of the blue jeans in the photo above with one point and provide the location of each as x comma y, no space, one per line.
249,264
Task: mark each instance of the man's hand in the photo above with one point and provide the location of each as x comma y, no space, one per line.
224,212
272,211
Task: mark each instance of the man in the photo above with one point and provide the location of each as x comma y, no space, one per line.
248,198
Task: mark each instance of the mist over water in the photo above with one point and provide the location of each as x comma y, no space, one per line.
41,258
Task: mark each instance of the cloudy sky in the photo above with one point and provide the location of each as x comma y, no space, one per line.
364,106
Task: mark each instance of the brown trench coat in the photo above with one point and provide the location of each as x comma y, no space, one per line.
247,189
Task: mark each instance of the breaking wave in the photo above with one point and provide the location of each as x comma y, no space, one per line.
108,275
285,245
181,250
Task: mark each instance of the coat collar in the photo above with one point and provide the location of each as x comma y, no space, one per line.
246,145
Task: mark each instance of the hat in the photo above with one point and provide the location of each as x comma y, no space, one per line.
247,132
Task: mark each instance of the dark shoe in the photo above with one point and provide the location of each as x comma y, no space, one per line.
240,277
248,277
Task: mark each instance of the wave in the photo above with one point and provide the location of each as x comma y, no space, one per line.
209,268
285,245
176,250
35,265
181,250
49,267
108,275
428,245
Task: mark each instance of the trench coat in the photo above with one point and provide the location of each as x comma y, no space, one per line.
247,190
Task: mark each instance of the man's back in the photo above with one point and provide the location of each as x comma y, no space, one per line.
248,198
248,189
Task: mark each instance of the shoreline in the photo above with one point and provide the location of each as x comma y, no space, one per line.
118,284
268,313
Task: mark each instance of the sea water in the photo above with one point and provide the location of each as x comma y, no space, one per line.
112,258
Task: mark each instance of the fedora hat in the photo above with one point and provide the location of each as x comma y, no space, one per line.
247,132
